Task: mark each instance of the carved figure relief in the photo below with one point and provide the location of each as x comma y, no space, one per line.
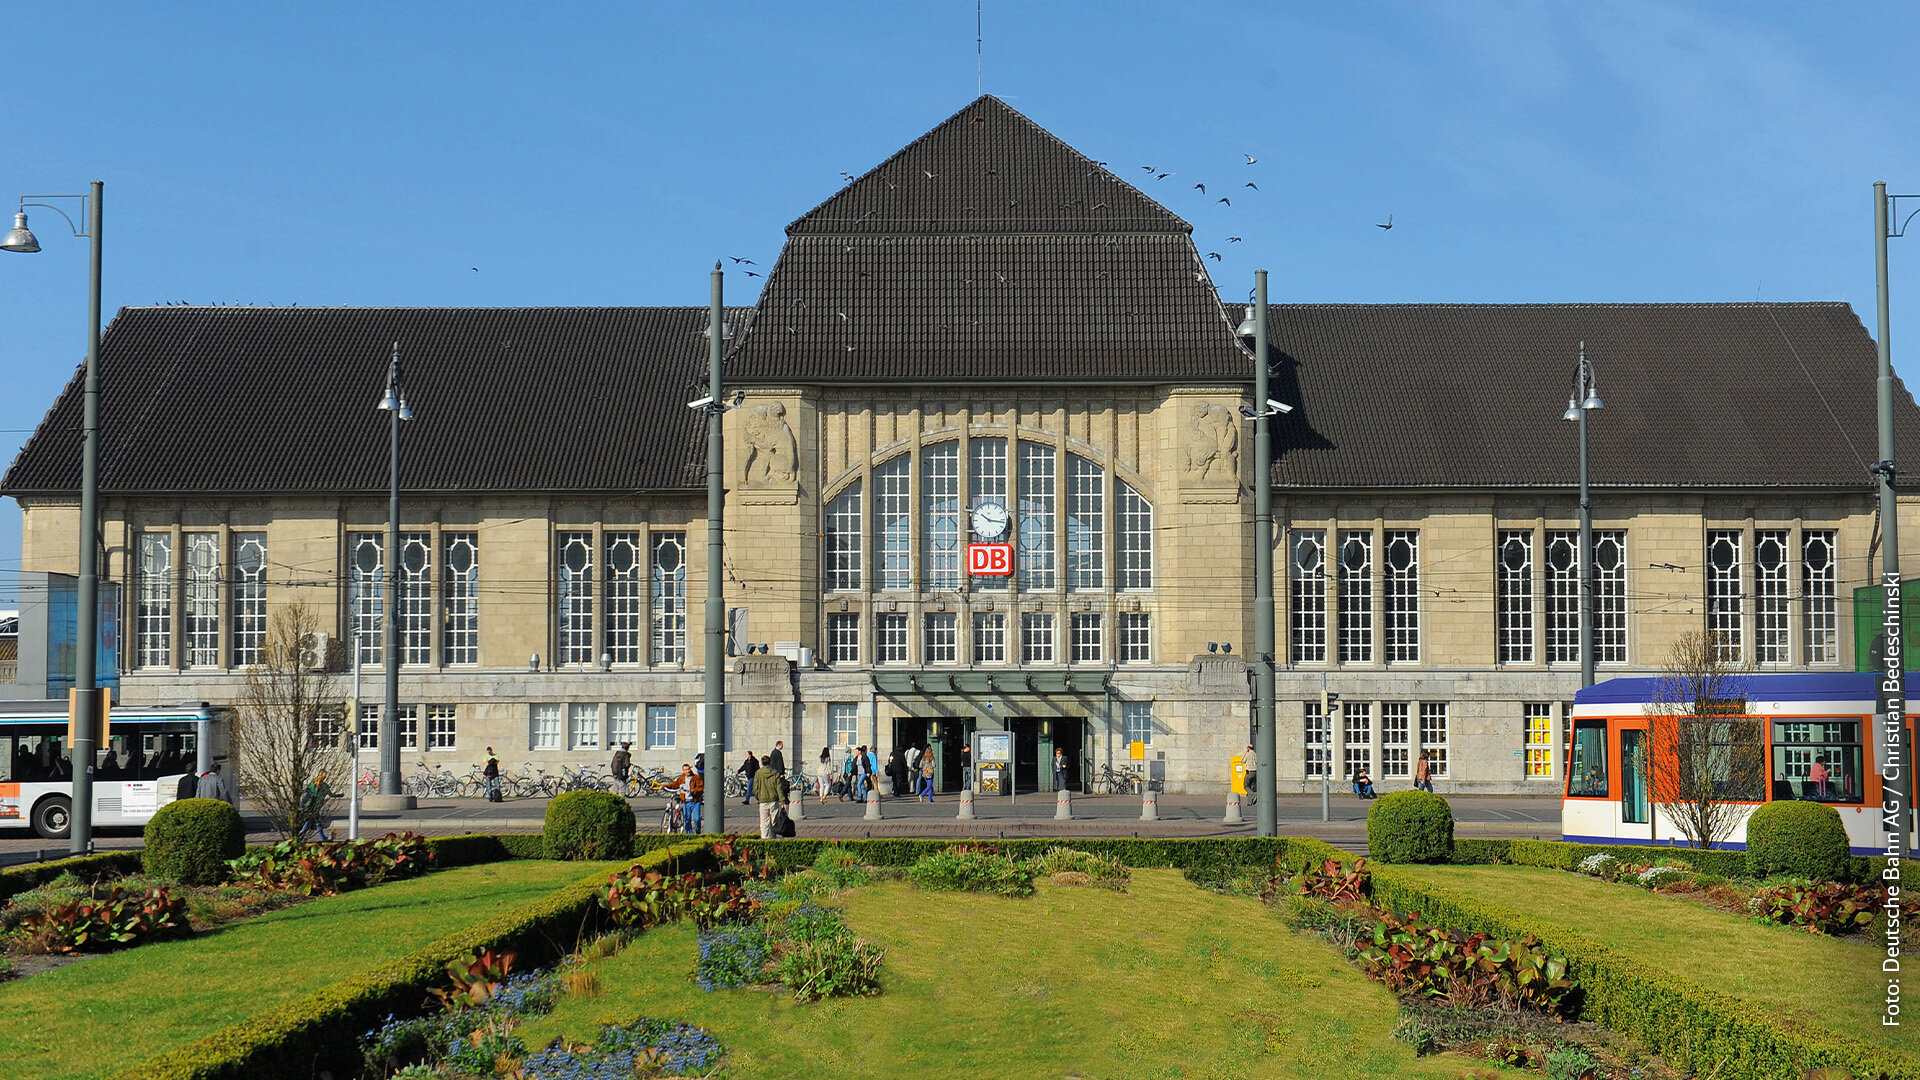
770,447
1213,445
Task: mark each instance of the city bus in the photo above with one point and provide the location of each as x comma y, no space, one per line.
1819,738
137,770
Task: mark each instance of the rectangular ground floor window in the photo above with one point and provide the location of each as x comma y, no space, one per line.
1319,744
543,728
1394,742
623,724
440,727
1356,721
1433,736
1136,718
663,722
843,723
583,727
1539,745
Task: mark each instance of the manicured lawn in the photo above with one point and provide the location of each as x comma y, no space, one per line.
1165,980
1835,984
110,1012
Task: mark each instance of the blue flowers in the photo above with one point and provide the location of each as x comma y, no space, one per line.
646,1047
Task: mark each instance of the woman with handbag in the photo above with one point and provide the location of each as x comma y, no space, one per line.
823,772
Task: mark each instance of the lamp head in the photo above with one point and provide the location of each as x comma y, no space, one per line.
20,238
1247,328
1593,398
405,413
1573,410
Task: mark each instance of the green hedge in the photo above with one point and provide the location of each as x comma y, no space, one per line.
18,879
321,1032
1798,839
1482,852
1693,1027
1178,854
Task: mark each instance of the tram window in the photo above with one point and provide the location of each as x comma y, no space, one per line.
1587,765
1817,759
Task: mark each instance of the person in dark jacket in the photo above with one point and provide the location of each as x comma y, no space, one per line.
747,769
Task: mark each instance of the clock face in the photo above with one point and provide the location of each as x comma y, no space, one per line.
990,521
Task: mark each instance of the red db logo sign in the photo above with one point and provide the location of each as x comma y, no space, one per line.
990,560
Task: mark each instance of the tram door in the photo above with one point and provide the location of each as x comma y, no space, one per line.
1636,807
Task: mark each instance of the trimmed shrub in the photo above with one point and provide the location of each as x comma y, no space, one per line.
190,841
1798,839
589,825
105,864
1410,827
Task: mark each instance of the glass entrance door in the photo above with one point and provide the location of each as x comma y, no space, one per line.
1634,806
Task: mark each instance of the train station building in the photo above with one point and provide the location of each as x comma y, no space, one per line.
987,339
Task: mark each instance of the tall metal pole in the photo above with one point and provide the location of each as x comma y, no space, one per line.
86,720
390,638
1892,680
715,815
1267,817
1582,384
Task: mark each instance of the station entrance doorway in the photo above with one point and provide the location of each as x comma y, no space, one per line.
942,737
1034,741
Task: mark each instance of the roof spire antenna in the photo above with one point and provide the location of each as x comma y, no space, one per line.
979,51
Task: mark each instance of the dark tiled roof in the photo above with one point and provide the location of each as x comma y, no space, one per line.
239,400
987,169
1471,396
1017,260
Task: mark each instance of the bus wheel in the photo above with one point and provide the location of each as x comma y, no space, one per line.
53,817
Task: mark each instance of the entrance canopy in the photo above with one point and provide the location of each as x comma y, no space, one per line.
995,682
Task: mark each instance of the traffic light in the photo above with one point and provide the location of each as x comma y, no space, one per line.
1329,704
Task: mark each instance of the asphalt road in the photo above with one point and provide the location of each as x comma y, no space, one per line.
1479,816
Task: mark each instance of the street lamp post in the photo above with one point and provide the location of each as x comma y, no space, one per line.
86,719
1584,398
1263,410
393,403
1892,683
714,815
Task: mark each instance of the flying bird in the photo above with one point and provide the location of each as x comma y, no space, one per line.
749,262
1163,176
1388,225
1233,239
1149,168
750,273
930,173
475,269
1252,185
844,317
1214,255
846,176
1202,187
1224,199
1250,158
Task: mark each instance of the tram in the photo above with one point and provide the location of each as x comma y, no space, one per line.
1818,735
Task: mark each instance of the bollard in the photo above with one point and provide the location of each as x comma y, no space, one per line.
1149,806
797,804
1326,798
966,804
1233,810
873,804
1063,806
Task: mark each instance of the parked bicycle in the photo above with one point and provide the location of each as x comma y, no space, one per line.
673,818
1108,780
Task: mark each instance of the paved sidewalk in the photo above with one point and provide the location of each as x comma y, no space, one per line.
1029,815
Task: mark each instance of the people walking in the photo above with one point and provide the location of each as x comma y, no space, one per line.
1251,763
823,773
213,787
1059,769
1423,773
766,788
966,765
491,772
748,768
778,759
313,806
622,763
926,774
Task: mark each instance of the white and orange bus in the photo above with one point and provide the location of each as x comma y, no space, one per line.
137,769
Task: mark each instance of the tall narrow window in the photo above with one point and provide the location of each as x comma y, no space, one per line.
1402,587
1307,596
623,724
441,732
583,726
249,597
1724,609
460,593
1818,592
890,638
1770,643
1563,597
987,483
1356,721
406,724
1136,634
1356,596
627,613
1038,508
843,723
1433,736
153,610
939,642
416,600
843,539
1086,644
893,524
940,515
1036,638
989,637
370,727
1513,573
1319,741
1394,740
1134,541
544,727
366,553
663,722
1136,722
669,575
843,637
1086,524
575,601
1539,745
1610,597
203,599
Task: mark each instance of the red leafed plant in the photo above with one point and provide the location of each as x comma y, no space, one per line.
115,919
474,978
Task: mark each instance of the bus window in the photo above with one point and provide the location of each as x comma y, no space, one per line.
9,765
1587,765
41,757
1817,759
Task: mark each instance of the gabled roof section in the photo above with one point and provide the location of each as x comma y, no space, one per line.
238,400
1697,396
988,169
989,250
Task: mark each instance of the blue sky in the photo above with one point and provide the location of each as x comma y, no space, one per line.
607,154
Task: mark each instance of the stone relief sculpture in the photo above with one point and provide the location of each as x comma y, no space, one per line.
770,447
1213,445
